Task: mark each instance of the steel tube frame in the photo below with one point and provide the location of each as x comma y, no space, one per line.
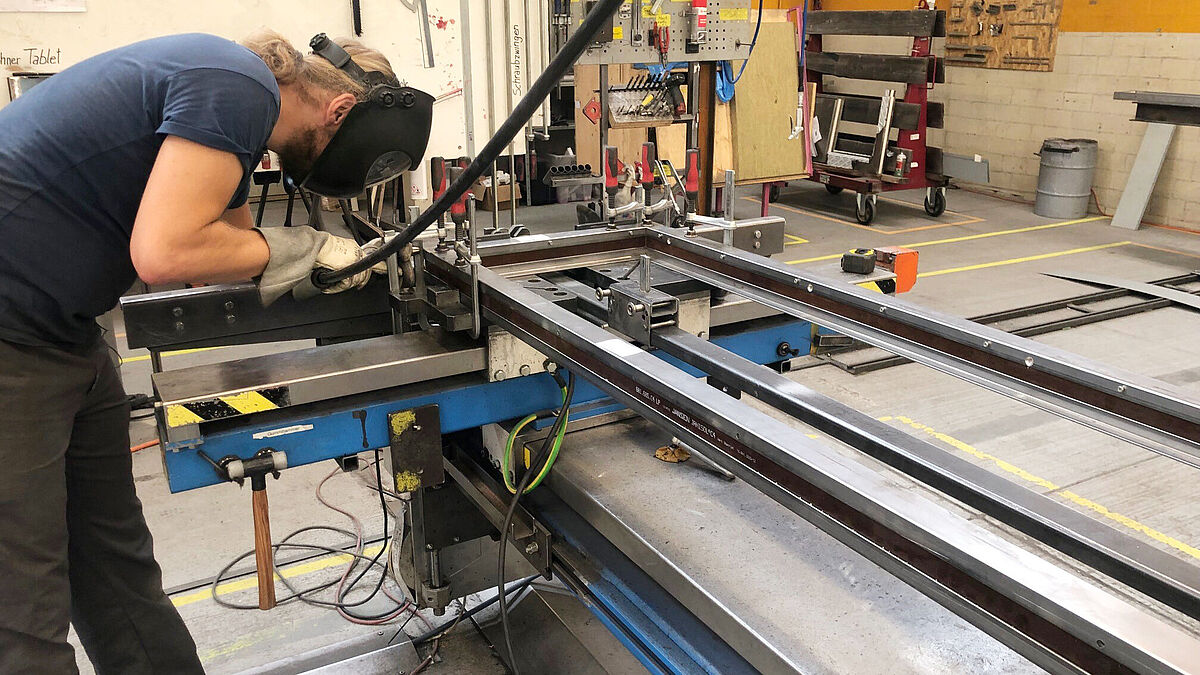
1126,405
1149,570
1141,410
1038,609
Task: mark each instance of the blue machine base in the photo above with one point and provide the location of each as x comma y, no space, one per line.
308,438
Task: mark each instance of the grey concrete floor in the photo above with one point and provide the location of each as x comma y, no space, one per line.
984,255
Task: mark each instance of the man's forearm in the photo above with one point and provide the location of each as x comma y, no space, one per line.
215,253
224,253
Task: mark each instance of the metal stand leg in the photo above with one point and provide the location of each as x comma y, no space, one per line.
1143,176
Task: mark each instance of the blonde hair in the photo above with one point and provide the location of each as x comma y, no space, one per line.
313,72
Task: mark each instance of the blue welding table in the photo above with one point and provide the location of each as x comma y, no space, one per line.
318,432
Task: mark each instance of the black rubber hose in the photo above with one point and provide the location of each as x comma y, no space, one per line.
595,20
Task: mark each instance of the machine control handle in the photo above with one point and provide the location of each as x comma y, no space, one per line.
649,155
691,180
437,176
611,169
458,210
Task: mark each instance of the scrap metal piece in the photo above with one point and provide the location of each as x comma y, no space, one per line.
1136,287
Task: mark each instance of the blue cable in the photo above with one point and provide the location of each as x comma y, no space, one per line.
725,78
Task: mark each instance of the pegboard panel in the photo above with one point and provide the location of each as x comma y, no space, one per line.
1003,34
632,38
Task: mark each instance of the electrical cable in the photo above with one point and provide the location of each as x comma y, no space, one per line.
524,110
753,42
344,588
507,462
142,446
543,455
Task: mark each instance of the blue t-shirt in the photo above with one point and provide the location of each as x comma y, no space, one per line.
75,155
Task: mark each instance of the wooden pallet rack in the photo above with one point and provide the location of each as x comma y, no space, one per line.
865,164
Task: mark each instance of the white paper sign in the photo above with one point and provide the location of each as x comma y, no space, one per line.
43,5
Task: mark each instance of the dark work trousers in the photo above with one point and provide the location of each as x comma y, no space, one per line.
74,547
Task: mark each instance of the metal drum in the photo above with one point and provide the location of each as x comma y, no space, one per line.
1065,177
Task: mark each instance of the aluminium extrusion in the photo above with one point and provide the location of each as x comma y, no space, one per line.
1038,609
1149,570
1133,407
1141,410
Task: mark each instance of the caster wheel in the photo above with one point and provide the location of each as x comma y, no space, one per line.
773,193
865,213
935,202
833,189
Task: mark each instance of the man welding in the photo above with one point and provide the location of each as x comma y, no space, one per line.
137,163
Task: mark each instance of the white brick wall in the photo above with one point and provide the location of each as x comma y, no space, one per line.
1005,115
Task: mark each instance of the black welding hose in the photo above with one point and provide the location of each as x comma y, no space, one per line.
515,123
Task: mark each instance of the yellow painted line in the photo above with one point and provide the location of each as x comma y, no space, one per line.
1167,250
1124,521
178,352
794,240
1014,261
249,582
970,220
985,235
967,237
249,402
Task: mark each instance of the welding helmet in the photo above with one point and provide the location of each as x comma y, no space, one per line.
383,135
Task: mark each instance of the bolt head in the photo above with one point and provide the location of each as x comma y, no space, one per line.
177,312
178,326
531,548
228,305
1028,361
230,318
525,370
498,375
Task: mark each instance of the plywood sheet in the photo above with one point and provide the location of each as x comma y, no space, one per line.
764,108
672,143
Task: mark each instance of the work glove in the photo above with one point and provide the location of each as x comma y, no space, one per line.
297,251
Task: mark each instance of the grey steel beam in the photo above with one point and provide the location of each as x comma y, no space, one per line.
1129,560
233,314
1175,296
1044,612
1126,405
329,372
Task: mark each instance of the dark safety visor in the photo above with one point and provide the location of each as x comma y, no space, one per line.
382,136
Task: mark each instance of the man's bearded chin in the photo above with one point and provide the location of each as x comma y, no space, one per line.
299,153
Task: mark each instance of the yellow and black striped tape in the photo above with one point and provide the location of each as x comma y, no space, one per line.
232,405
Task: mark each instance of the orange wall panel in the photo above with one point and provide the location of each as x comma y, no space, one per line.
1124,16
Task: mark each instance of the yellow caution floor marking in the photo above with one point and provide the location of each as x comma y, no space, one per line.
969,220
1014,261
967,237
250,582
1124,521
793,240
177,352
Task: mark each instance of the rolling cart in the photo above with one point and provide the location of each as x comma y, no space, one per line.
853,144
